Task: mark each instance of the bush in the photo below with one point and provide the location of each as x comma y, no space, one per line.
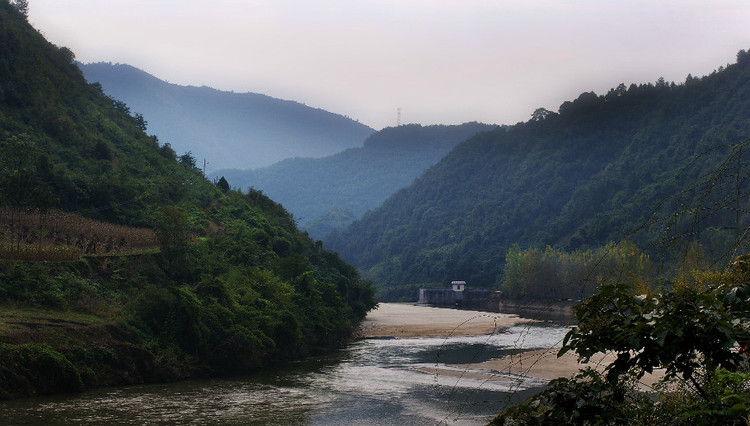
36,368
695,330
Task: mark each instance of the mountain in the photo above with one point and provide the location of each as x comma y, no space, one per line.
120,263
229,130
644,162
329,193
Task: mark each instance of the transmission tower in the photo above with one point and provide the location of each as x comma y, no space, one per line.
398,117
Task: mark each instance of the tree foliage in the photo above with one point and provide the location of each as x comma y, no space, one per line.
355,180
552,274
605,167
230,285
22,6
696,331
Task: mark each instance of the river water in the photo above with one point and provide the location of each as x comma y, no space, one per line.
371,382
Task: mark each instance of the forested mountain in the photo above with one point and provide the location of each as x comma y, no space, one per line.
628,164
329,193
121,263
229,130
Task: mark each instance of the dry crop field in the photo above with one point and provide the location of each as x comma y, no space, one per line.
55,235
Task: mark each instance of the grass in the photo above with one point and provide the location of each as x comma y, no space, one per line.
21,325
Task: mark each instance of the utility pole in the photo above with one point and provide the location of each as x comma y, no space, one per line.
204,166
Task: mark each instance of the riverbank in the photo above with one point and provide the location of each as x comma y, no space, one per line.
121,320
400,320
404,320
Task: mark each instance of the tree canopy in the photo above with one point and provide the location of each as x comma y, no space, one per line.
220,281
603,168
697,332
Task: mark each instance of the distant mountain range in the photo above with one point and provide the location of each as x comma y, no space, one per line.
654,163
329,193
228,130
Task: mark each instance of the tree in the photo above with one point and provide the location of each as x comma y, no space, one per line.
44,200
188,160
141,122
174,238
620,90
697,332
22,6
167,152
120,106
18,188
67,55
540,114
223,184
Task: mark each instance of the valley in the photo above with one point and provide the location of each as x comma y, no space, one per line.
181,254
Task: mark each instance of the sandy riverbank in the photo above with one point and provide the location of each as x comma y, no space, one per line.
401,320
541,364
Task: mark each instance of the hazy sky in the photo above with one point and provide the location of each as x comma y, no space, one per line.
440,61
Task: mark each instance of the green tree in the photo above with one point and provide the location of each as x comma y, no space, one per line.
223,184
173,233
540,114
18,186
695,332
141,122
188,160
22,6
555,274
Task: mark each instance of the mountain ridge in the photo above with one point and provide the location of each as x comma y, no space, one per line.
585,175
357,179
230,130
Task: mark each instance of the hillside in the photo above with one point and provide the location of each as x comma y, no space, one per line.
121,263
229,130
628,164
329,193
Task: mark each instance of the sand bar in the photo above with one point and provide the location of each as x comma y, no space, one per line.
539,364
403,320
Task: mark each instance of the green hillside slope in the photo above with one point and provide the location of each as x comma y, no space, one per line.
328,193
195,279
594,172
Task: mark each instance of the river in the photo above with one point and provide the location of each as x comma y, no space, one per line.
374,381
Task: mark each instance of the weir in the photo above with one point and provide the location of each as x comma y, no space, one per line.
457,296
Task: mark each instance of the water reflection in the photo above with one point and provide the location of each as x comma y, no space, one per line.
374,381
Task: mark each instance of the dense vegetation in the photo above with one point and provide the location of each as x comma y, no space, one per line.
229,130
329,193
553,274
696,330
222,282
602,168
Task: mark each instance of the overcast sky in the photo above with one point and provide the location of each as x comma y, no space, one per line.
440,61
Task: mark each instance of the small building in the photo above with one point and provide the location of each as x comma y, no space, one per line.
457,296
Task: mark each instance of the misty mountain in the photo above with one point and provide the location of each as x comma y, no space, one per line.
329,193
633,163
229,130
